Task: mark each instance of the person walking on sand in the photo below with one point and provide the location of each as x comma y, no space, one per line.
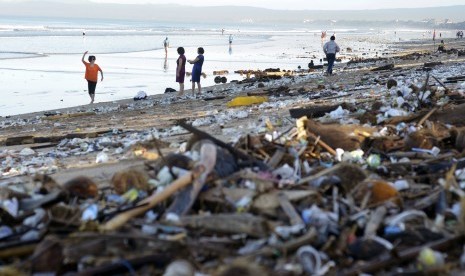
331,48
166,44
197,70
91,75
181,70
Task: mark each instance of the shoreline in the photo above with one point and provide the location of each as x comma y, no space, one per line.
31,87
420,46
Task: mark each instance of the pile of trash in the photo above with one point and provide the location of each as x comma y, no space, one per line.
317,199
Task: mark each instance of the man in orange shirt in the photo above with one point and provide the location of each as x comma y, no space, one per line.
91,75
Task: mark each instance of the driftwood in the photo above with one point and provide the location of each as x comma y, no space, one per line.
17,249
228,224
339,136
289,209
214,98
259,93
312,111
453,115
23,140
19,140
432,64
383,68
455,79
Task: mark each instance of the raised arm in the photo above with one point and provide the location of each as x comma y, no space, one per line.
101,73
83,56
193,61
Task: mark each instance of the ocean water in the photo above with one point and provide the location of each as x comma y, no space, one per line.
41,69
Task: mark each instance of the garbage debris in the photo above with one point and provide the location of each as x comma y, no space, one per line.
250,100
368,179
141,95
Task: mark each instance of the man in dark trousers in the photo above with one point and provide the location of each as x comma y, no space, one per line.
331,48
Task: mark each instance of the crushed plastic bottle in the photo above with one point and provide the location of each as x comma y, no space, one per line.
90,213
149,229
401,184
243,204
434,151
5,231
27,152
11,206
102,157
36,219
286,232
30,236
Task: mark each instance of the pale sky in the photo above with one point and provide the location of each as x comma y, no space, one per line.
302,4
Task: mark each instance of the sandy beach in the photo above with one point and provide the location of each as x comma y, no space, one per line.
102,139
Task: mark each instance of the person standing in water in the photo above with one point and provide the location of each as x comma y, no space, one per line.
197,70
166,44
91,75
331,48
181,70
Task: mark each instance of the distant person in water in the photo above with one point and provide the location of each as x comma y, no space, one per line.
181,70
331,48
197,70
230,39
166,44
91,75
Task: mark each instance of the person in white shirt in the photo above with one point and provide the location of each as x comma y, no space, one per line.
331,48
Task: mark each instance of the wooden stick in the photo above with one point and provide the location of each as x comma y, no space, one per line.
442,84
18,251
318,175
431,112
289,209
149,202
321,143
